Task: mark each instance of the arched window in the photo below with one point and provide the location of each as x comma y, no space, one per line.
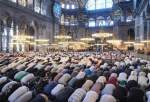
43,7
67,6
63,5
72,6
90,5
109,3
98,4
30,4
129,19
37,6
91,22
13,1
109,21
22,2
101,21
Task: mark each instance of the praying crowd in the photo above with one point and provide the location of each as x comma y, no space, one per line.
74,77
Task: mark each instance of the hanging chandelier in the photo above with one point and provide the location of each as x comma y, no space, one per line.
103,44
145,41
41,40
22,37
102,35
87,39
114,41
138,44
71,42
129,42
65,37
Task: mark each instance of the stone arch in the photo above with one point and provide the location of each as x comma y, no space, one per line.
91,18
23,24
34,26
7,19
148,11
131,34
1,31
30,30
1,25
100,18
5,14
7,22
101,21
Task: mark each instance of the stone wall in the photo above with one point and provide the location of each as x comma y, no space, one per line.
16,20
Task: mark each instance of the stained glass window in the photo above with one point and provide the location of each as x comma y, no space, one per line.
91,23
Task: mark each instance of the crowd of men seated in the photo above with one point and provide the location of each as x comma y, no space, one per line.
74,77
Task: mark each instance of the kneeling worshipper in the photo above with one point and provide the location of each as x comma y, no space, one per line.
74,77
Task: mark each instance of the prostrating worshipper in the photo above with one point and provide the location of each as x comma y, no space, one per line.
74,77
